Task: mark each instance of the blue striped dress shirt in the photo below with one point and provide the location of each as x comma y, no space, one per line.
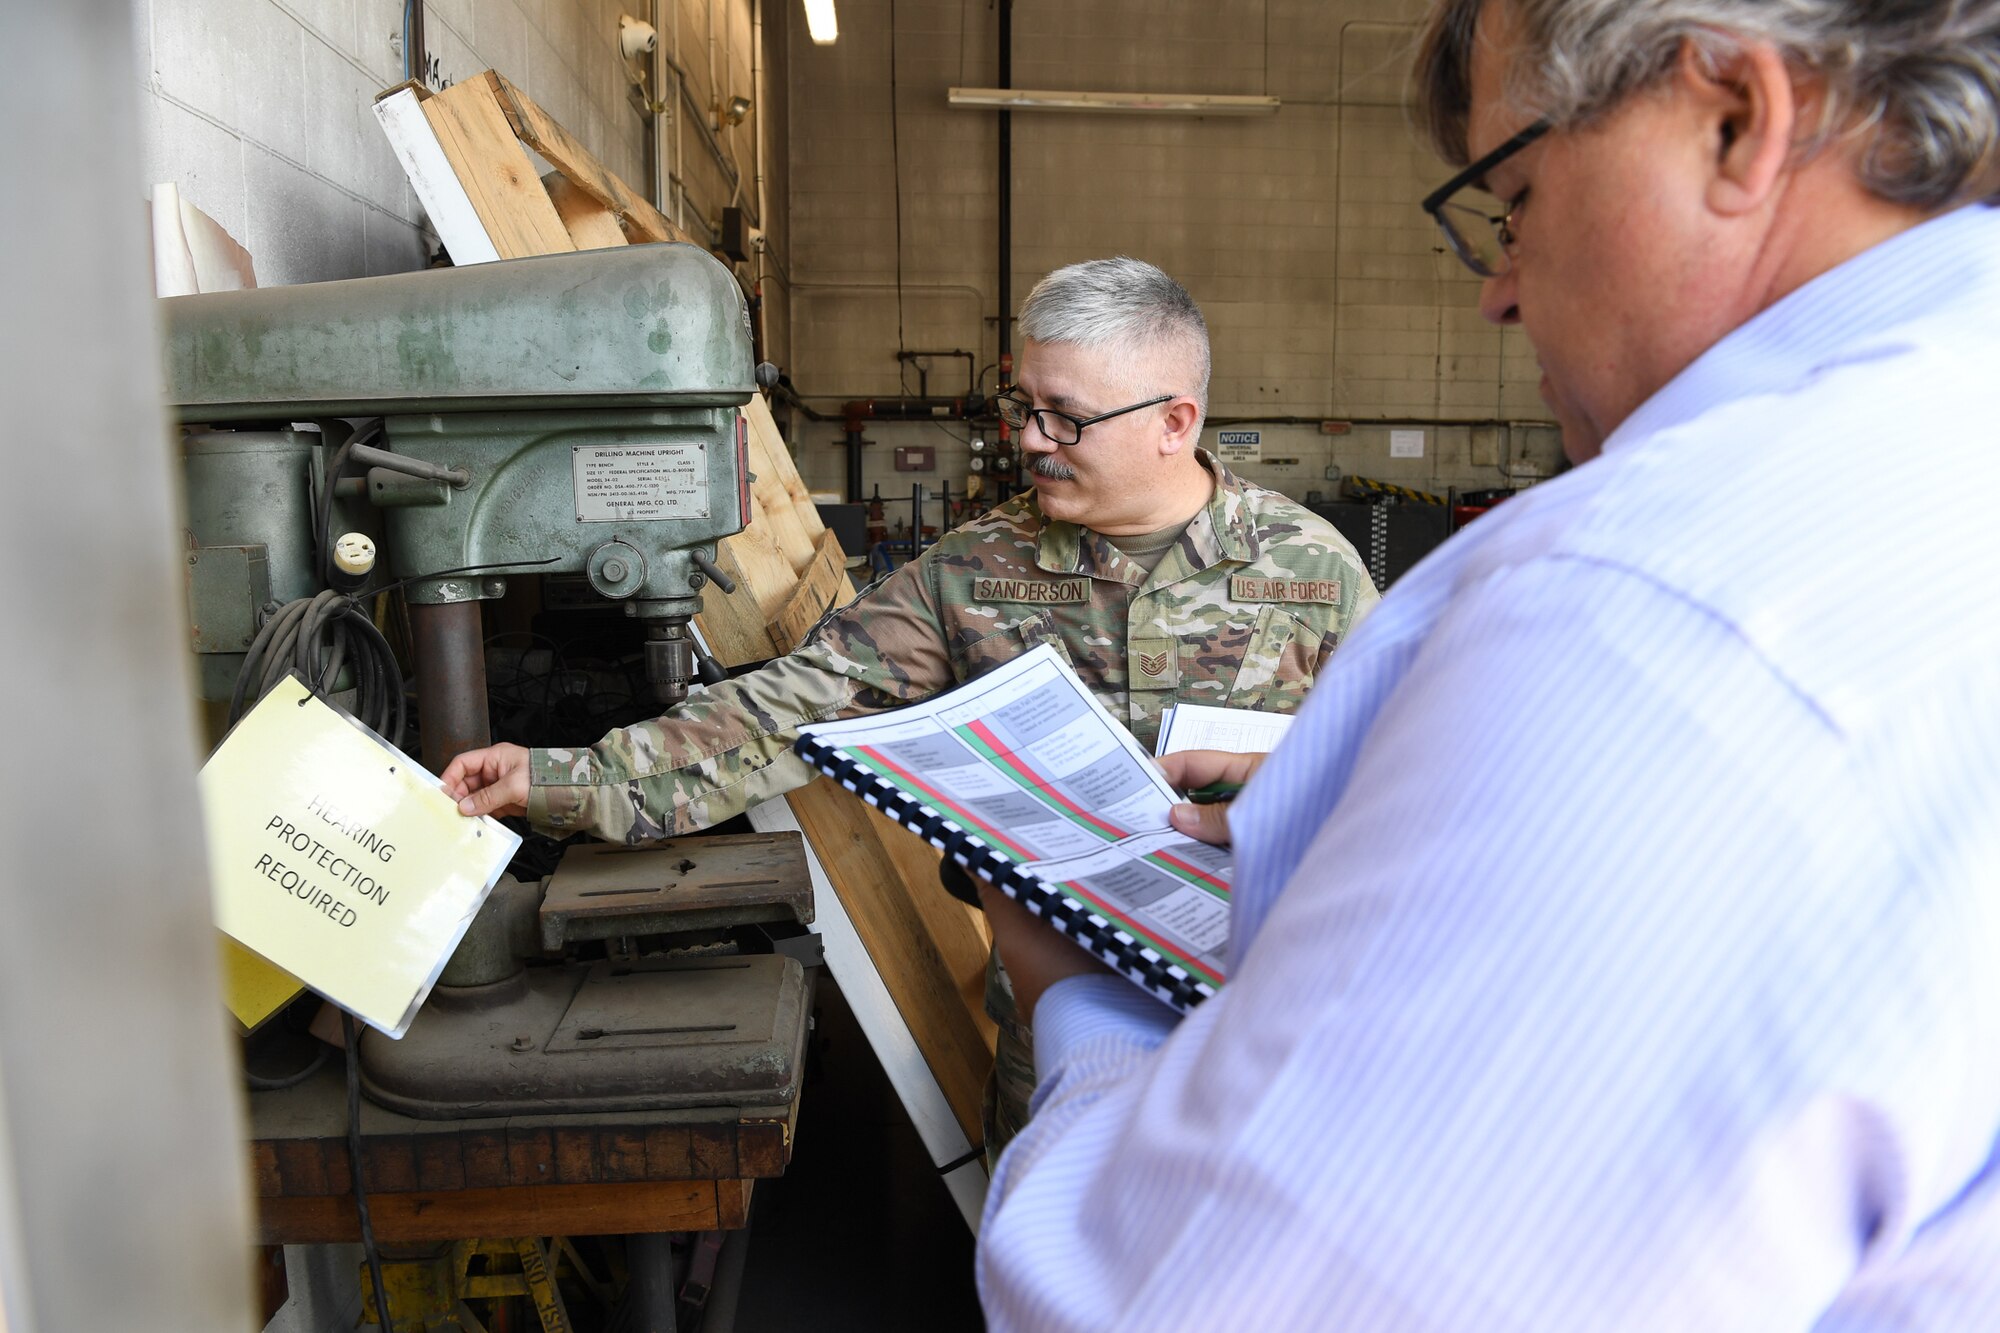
1617,932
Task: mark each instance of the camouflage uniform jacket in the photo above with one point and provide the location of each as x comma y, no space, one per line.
1242,611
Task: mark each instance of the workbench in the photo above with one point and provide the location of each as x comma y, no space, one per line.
609,1173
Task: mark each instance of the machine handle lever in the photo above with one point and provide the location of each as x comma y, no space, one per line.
714,572
458,477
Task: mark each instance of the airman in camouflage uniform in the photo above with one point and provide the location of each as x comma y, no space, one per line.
1241,612
1205,590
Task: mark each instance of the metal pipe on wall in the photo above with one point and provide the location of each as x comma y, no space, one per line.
715,149
852,441
656,142
856,411
417,58
1006,210
680,147
762,95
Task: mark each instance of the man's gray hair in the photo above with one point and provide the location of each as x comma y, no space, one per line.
1918,79
1125,306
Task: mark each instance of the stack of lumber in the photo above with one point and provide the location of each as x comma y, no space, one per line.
466,151
787,566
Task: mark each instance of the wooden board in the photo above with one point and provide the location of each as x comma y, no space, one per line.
765,442
535,127
789,576
542,1210
768,467
955,1155
591,224
496,172
924,971
958,930
733,626
823,584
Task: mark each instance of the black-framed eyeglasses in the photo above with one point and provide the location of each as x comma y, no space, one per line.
1060,427
1480,229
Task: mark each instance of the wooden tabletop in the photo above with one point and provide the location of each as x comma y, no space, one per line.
604,1174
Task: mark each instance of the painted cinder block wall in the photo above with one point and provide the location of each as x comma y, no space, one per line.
260,111
1300,234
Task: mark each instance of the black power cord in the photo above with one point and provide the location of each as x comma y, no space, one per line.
260,1083
354,1172
317,636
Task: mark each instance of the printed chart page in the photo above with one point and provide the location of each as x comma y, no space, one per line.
1026,760
1206,727
1165,890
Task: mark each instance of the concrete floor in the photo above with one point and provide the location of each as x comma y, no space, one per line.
859,1235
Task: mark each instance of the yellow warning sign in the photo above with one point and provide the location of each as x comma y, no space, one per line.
338,859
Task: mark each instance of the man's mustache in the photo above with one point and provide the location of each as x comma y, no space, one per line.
1045,465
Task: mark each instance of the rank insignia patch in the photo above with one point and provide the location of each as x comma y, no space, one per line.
1155,663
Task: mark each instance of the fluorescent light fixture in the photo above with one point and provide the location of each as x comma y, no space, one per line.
821,23
1153,104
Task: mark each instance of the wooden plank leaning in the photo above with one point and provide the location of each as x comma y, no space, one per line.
496,171
539,130
824,583
591,224
763,429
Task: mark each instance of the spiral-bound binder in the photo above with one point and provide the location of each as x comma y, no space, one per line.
1134,958
1023,779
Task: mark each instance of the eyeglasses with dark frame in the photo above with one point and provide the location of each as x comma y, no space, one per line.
1482,241
1015,411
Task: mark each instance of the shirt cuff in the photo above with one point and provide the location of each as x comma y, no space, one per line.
562,789
1083,1008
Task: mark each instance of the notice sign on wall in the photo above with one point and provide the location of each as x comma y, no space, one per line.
336,857
1239,446
1406,444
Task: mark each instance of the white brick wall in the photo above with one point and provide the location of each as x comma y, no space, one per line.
1300,234
260,110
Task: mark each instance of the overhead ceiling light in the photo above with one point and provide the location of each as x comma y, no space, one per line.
821,23
1155,104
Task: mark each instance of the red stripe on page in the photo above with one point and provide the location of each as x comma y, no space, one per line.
1040,783
1159,946
1206,877
939,800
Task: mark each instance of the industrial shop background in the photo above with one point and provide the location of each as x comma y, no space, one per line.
868,208
880,236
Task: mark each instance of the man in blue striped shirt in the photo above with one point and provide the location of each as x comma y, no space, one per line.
1618,930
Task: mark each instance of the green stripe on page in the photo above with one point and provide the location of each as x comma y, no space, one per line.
987,744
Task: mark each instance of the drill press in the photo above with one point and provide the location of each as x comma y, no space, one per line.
571,414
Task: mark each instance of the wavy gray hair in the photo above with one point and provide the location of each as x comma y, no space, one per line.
1127,306
1920,79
